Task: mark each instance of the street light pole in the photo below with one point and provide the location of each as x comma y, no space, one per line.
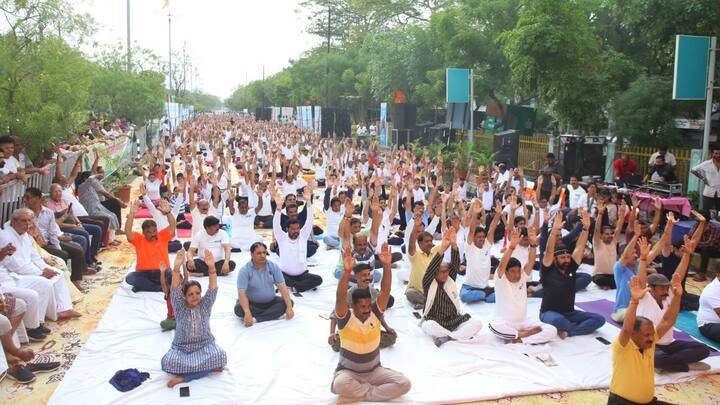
471,131
129,51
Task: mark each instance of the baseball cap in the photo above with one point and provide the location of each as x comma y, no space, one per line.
657,279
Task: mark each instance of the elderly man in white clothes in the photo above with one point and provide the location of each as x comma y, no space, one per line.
34,312
511,322
293,246
32,271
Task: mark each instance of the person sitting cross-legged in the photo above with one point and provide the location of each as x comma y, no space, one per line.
293,247
442,317
558,272
708,317
363,274
672,355
479,243
511,322
194,352
256,283
633,350
215,240
359,375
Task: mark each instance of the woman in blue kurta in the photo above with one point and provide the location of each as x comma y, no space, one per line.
194,353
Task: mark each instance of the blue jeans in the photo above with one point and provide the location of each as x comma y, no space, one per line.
148,280
471,294
574,322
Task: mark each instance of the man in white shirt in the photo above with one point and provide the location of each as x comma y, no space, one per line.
670,355
9,170
576,194
215,240
36,304
708,316
479,243
31,271
663,151
709,173
243,220
511,322
292,246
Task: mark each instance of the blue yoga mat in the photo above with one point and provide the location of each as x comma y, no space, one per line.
687,322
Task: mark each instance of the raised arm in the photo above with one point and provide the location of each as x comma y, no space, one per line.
494,223
134,207
638,289
386,282
658,212
631,245
417,229
549,255
341,307
671,314
376,221
514,240
666,238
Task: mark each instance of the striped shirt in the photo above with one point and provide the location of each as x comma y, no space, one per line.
443,310
360,342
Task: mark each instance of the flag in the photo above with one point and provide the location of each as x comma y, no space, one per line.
166,3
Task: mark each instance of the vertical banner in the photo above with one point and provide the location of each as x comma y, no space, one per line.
308,116
383,124
297,116
318,118
457,83
692,57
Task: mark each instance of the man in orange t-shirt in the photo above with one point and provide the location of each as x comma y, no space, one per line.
151,249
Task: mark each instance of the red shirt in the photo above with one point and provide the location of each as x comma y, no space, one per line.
622,168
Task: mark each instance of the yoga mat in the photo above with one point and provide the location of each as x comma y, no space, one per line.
143,213
604,308
183,233
687,322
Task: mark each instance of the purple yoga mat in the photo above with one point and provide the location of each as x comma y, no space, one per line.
605,308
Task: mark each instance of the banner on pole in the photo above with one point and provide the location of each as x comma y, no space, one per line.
317,119
457,83
692,57
383,124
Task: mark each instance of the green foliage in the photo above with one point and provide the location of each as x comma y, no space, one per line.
136,96
202,102
644,112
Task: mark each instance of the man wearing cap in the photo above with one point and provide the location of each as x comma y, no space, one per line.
558,272
670,354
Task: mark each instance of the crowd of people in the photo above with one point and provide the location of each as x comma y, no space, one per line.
380,207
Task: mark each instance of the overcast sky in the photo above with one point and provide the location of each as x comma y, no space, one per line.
229,40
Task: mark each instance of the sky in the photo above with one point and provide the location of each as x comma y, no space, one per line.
229,41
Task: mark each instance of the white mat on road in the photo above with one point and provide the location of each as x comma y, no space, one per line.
283,362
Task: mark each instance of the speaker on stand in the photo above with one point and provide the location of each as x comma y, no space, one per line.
506,147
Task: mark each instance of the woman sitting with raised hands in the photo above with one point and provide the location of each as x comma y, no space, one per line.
194,353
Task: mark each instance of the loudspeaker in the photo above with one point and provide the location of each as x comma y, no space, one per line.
263,114
520,118
404,116
335,120
583,156
506,146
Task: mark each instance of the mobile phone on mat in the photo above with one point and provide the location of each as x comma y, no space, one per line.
603,340
184,391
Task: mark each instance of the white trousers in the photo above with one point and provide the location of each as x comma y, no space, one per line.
34,305
55,289
465,331
507,330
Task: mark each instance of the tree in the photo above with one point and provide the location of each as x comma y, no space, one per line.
645,111
201,102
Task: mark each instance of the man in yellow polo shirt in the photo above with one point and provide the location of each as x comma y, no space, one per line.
633,351
419,261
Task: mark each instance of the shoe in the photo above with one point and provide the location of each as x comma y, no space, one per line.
43,367
168,324
699,366
21,375
43,329
135,289
439,341
35,335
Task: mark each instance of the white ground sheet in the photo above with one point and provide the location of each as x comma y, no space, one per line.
283,362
